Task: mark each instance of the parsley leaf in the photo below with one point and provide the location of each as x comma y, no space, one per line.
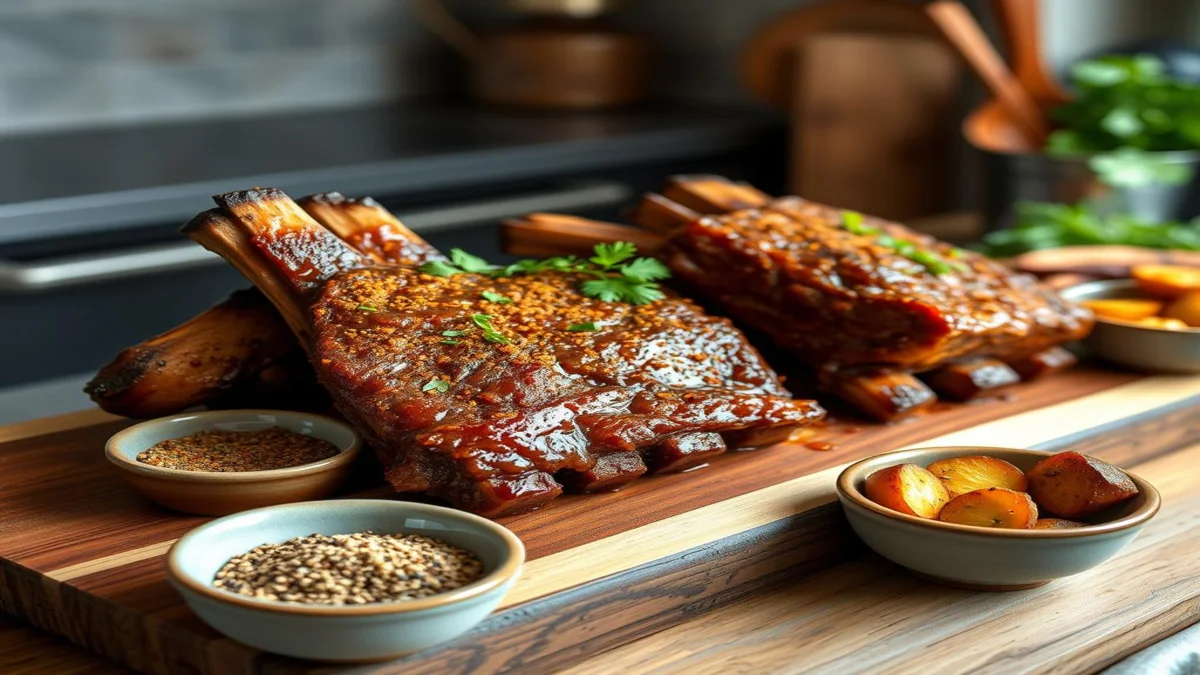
623,289
439,268
367,308
645,269
583,327
611,255
453,333
437,384
470,263
484,321
496,298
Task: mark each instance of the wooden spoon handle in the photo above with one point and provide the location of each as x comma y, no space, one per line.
957,25
1020,21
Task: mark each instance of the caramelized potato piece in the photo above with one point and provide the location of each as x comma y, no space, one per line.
961,475
992,507
1185,309
1162,323
1071,485
1166,281
909,489
1123,310
1055,524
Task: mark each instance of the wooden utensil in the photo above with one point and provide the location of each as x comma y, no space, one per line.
961,30
873,110
1020,21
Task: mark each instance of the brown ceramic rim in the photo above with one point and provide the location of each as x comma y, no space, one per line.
510,566
345,454
848,477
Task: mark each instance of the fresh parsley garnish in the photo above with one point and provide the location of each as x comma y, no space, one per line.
470,263
453,333
853,222
484,321
437,384
619,275
583,327
439,268
367,308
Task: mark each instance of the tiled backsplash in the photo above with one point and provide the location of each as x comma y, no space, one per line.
79,62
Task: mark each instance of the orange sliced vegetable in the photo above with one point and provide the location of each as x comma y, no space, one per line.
992,507
909,489
1123,310
961,475
1166,281
1185,309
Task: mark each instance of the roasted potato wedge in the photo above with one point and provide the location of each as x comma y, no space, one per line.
1071,485
992,507
961,475
1055,524
1166,281
909,489
1185,309
1162,323
1124,310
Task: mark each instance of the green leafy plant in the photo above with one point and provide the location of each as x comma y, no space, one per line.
1043,225
619,275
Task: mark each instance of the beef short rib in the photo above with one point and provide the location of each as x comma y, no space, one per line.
484,402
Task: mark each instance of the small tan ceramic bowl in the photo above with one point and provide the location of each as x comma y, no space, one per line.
981,558
216,493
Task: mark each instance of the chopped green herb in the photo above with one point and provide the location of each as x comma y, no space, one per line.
623,289
484,321
853,222
955,253
450,341
439,268
583,327
496,298
470,263
437,384
645,269
611,255
454,333
367,308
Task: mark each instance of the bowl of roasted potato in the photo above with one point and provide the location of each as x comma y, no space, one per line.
994,518
1150,322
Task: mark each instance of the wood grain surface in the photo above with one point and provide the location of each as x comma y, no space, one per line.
81,555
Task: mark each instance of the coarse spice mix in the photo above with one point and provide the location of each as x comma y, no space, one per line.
232,451
349,569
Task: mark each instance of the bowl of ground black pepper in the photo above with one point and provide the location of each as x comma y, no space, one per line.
224,461
348,579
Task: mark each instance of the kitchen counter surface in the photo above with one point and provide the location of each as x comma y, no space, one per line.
76,182
866,615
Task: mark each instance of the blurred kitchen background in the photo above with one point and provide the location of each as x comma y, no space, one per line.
118,119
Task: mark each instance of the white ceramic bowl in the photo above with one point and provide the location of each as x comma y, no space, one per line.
983,558
216,493
351,633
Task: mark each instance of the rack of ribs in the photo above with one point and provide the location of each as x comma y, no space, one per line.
240,352
498,420
865,303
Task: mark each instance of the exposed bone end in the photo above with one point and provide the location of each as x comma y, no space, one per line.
659,214
611,471
886,396
549,234
192,363
1044,363
973,379
714,194
368,227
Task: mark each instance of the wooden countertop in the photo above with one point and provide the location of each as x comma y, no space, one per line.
866,614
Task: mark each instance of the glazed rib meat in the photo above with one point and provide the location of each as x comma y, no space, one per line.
495,405
240,352
865,302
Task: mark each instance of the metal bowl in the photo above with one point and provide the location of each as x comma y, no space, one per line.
1154,350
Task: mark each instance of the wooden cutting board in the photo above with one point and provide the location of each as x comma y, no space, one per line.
81,554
